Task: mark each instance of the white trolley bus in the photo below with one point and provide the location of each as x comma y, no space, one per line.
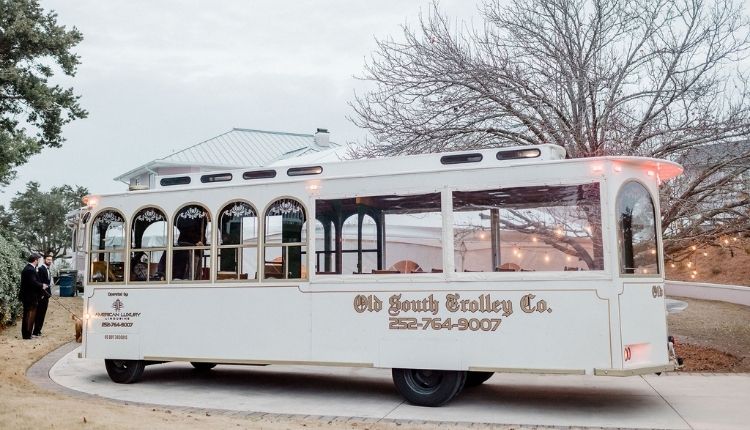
444,268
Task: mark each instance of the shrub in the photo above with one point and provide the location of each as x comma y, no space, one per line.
11,264
715,270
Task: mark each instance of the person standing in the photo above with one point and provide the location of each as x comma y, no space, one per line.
45,278
31,290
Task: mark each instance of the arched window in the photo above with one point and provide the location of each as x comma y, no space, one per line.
636,230
285,248
148,246
107,247
238,242
191,245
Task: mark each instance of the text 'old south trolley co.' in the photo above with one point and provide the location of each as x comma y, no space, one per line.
399,310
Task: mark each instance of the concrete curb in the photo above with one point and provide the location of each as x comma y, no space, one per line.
38,374
697,290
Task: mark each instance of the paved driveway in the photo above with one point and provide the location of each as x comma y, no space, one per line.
674,401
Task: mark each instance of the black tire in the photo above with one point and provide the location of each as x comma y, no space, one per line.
202,366
431,388
124,371
475,379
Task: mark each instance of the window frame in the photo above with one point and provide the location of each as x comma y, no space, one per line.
657,234
167,238
257,246
172,247
125,251
263,243
604,201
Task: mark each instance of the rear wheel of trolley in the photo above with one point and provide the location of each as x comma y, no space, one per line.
426,387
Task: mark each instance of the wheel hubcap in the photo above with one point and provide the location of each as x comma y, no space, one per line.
425,381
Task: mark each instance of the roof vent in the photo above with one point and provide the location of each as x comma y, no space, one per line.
302,171
218,177
178,180
461,158
322,138
515,154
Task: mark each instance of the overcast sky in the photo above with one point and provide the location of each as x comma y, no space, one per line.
158,76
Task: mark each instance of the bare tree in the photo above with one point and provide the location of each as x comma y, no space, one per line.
659,78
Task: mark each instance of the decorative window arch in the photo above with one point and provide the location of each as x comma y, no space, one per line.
285,245
191,244
148,245
107,247
636,230
237,253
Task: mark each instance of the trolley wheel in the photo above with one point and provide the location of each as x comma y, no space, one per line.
423,387
475,379
124,371
202,366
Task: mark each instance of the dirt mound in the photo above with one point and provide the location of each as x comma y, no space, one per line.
704,359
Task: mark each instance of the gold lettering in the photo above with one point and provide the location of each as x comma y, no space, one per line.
451,302
369,303
526,303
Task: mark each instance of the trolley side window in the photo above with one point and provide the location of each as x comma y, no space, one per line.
524,229
237,256
636,230
388,234
148,246
191,247
107,247
285,245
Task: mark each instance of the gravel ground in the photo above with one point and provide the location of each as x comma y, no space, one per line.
708,330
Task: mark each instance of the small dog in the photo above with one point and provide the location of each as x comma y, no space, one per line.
79,328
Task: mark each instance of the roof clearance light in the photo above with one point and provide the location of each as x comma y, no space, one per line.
618,168
650,173
302,171
597,168
516,154
90,201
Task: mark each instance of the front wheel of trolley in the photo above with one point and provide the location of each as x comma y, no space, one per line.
425,387
125,371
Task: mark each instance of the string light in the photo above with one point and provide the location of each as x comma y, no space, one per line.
546,258
559,232
689,264
693,247
672,265
705,254
533,238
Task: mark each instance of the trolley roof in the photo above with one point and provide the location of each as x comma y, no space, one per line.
459,160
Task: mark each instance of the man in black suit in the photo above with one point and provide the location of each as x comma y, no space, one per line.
31,290
41,308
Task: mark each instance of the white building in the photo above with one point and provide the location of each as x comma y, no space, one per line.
237,148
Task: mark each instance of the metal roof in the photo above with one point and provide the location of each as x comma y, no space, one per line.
239,147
